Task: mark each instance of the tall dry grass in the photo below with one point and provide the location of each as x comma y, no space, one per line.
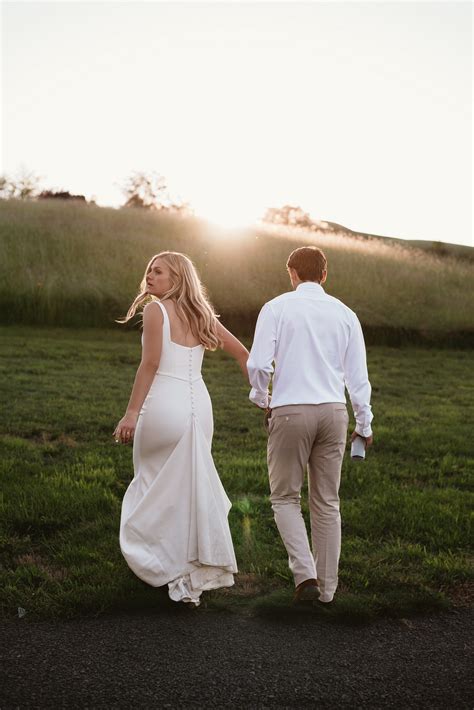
72,264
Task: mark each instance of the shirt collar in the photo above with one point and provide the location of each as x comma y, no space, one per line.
310,286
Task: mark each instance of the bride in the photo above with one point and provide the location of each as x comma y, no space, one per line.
174,528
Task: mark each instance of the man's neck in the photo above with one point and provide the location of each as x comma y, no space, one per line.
298,283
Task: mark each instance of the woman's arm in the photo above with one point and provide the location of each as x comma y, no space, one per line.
233,346
151,353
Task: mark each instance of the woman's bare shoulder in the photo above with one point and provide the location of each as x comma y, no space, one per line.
152,312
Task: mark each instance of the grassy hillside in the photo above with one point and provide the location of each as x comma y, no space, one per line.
435,248
72,264
405,510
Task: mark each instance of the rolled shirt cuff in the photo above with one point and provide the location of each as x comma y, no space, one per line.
259,398
364,431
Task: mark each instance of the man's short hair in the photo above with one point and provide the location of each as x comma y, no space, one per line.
308,262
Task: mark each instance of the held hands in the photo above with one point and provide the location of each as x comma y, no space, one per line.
368,439
265,407
125,429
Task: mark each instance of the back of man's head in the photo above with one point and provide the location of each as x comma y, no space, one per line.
309,263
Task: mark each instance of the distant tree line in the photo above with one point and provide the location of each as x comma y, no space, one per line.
26,186
149,191
61,195
141,190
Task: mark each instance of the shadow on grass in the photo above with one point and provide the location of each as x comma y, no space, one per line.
351,609
347,608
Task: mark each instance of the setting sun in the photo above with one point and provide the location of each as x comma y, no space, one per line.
226,213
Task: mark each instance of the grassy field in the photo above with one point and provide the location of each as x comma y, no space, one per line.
405,510
79,265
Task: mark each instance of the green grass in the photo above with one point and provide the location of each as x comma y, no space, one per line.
405,510
80,265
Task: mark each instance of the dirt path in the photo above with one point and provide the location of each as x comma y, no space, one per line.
210,659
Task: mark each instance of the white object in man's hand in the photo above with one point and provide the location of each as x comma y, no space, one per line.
358,449
359,445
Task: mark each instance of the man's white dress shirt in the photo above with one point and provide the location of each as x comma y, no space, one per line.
318,348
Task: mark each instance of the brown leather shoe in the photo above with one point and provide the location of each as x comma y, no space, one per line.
307,591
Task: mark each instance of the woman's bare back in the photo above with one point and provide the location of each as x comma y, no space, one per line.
181,334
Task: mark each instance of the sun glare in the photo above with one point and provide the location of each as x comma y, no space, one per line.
229,216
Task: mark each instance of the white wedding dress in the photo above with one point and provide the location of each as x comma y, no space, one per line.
173,527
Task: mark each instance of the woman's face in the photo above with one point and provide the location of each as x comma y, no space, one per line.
158,278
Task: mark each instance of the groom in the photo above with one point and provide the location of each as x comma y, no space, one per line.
317,346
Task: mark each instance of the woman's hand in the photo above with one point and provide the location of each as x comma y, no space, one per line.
125,429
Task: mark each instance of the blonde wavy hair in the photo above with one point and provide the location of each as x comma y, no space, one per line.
189,295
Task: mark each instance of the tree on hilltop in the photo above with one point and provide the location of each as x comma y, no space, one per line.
150,191
289,215
23,186
4,187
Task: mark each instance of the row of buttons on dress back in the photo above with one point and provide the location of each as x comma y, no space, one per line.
193,411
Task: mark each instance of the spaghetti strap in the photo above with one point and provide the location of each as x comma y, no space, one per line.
166,319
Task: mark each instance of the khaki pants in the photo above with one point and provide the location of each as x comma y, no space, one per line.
313,437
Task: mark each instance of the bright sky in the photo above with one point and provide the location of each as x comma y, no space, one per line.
360,112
